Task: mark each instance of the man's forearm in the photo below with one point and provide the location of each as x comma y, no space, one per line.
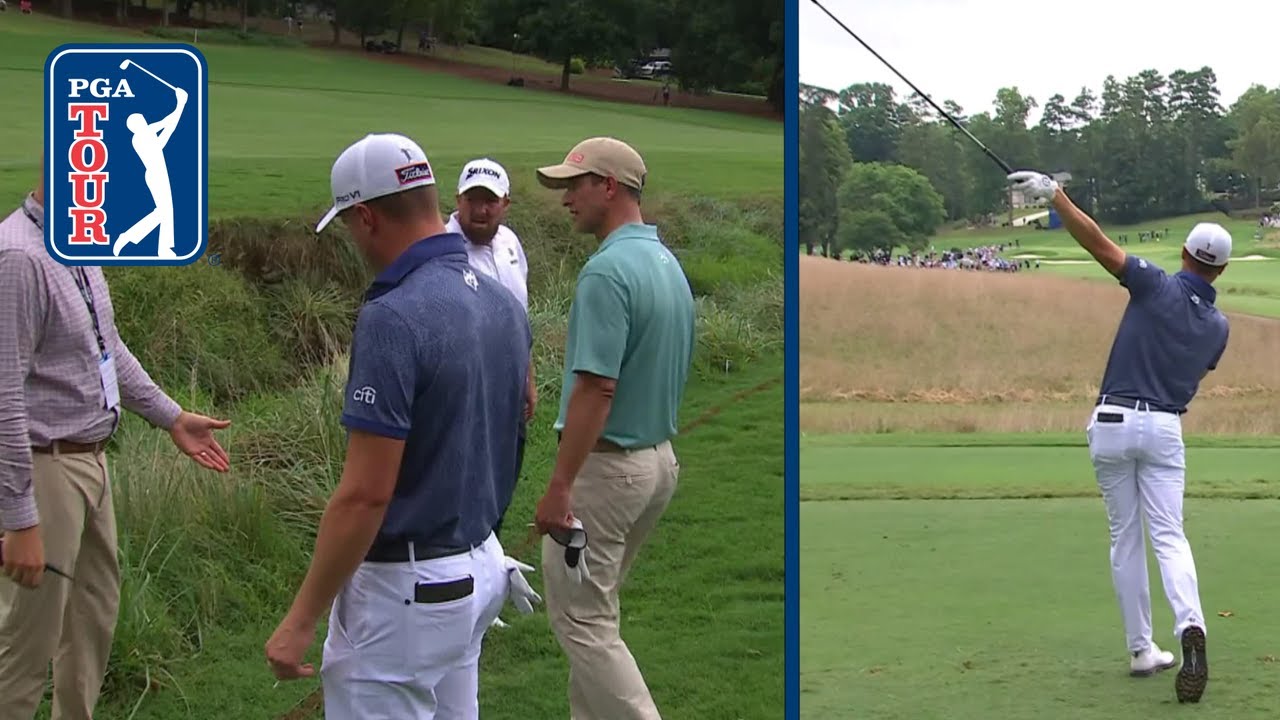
347,529
17,498
139,393
1085,231
584,421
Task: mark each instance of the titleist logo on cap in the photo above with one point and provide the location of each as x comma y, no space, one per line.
1206,256
414,172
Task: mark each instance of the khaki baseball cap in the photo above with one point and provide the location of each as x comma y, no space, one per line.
605,156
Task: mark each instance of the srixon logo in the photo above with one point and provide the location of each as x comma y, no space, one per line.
126,145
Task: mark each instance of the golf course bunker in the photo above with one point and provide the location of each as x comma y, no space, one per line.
1253,257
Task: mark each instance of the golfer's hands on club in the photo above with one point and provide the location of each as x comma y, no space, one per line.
24,556
1033,185
193,435
288,645
182,95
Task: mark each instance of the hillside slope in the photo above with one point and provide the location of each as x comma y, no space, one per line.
892,349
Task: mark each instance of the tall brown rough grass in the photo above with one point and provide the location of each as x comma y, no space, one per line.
892,349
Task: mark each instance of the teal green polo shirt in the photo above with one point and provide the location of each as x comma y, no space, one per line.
632,320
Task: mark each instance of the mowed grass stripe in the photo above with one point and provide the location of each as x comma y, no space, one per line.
969,611
991,472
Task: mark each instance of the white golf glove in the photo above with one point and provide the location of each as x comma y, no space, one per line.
1033,185
574,542
519,591
577,572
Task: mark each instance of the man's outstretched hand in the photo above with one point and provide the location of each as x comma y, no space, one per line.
1033,185
193,435
182,95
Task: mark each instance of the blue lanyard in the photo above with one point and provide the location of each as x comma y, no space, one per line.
82,284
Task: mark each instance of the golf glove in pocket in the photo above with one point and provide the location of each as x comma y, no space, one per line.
519,592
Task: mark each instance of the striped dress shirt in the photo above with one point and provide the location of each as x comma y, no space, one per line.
50,387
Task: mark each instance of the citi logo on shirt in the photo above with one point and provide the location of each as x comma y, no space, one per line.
366,395
126,147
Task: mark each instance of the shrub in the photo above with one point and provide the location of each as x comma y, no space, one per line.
197,325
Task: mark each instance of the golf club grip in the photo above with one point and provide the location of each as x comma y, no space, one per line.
1003,165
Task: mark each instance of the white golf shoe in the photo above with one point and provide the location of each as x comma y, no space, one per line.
1151,661
497,622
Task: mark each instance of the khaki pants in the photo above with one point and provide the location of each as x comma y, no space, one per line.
619,498
68,624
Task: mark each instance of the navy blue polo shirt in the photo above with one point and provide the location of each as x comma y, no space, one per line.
1170,336
439,360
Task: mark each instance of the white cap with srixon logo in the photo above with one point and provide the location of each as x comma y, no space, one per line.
376,165
487,174
1210,243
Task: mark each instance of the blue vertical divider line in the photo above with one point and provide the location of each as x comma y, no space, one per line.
791,402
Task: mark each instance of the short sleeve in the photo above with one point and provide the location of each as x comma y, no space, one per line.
382,379
1142,278
601,320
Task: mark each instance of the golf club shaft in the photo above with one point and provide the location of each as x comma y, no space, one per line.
157,77
1004,165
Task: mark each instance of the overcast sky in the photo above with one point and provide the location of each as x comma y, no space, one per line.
965,50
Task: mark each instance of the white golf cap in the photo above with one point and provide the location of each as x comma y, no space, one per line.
487,174
376,165
1210,243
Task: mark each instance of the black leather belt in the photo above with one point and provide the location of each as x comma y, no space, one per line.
608,446
398,551
1136,404
66,447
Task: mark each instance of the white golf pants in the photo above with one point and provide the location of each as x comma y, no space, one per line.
395,652
1140,464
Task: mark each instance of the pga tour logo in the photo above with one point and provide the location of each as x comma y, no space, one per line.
126,149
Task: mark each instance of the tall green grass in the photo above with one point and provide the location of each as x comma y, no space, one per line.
260,337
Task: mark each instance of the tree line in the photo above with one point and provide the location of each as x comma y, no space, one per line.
873,166
715,44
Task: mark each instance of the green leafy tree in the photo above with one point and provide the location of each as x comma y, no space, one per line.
559,30
824,161
898,192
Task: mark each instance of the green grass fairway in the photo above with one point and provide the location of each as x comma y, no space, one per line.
955,604
279,117
209,564
1247,286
